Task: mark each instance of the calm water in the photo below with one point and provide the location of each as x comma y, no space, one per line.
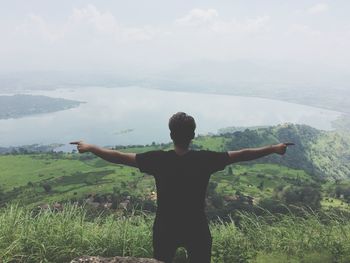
133,115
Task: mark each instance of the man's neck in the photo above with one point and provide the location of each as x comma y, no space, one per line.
180,150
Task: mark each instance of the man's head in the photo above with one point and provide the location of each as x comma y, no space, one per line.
182,128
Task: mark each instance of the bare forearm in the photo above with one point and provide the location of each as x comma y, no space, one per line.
255,153
109,155
252,153
106,154
115,156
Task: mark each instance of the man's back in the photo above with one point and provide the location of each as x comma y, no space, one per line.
181,180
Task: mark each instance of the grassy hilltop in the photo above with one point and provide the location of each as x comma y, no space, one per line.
264,205
320,160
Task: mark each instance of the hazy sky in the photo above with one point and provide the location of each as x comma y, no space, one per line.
109,35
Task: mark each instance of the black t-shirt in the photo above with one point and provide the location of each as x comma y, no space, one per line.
181,180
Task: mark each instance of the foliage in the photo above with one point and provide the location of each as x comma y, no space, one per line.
301,196
323,154
51,236
308,175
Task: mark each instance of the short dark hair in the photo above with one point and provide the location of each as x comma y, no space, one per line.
182,128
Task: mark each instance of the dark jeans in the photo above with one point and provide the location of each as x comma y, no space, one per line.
194,237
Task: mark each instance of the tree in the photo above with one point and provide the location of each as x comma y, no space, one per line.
261,186
47,187
2,193
305,196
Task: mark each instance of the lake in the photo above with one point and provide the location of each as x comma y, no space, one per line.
134,115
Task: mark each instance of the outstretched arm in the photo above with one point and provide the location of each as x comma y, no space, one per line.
255,153
109,155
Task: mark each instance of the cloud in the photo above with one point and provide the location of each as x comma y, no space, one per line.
84,24
197,17
90,26
209,19
93,37
303,29
105,24
90,15
36,26
318,8
257,24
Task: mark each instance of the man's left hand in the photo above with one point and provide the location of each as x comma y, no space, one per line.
281,148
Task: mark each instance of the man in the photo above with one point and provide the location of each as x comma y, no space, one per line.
181,176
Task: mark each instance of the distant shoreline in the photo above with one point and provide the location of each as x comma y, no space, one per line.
24,105
208,92
116,111
324,107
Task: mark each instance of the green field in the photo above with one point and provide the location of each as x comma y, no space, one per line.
319,160
74,177
68,177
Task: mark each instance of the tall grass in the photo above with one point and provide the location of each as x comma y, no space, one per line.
288,237
49,236
60,236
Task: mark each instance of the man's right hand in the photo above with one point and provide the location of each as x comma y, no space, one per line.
82,147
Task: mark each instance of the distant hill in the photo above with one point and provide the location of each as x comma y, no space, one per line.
21,105
322,153
286,81
32,148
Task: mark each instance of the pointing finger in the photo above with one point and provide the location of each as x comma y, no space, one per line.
289,143
76,142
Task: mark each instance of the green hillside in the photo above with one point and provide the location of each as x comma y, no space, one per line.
314,172
320,153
